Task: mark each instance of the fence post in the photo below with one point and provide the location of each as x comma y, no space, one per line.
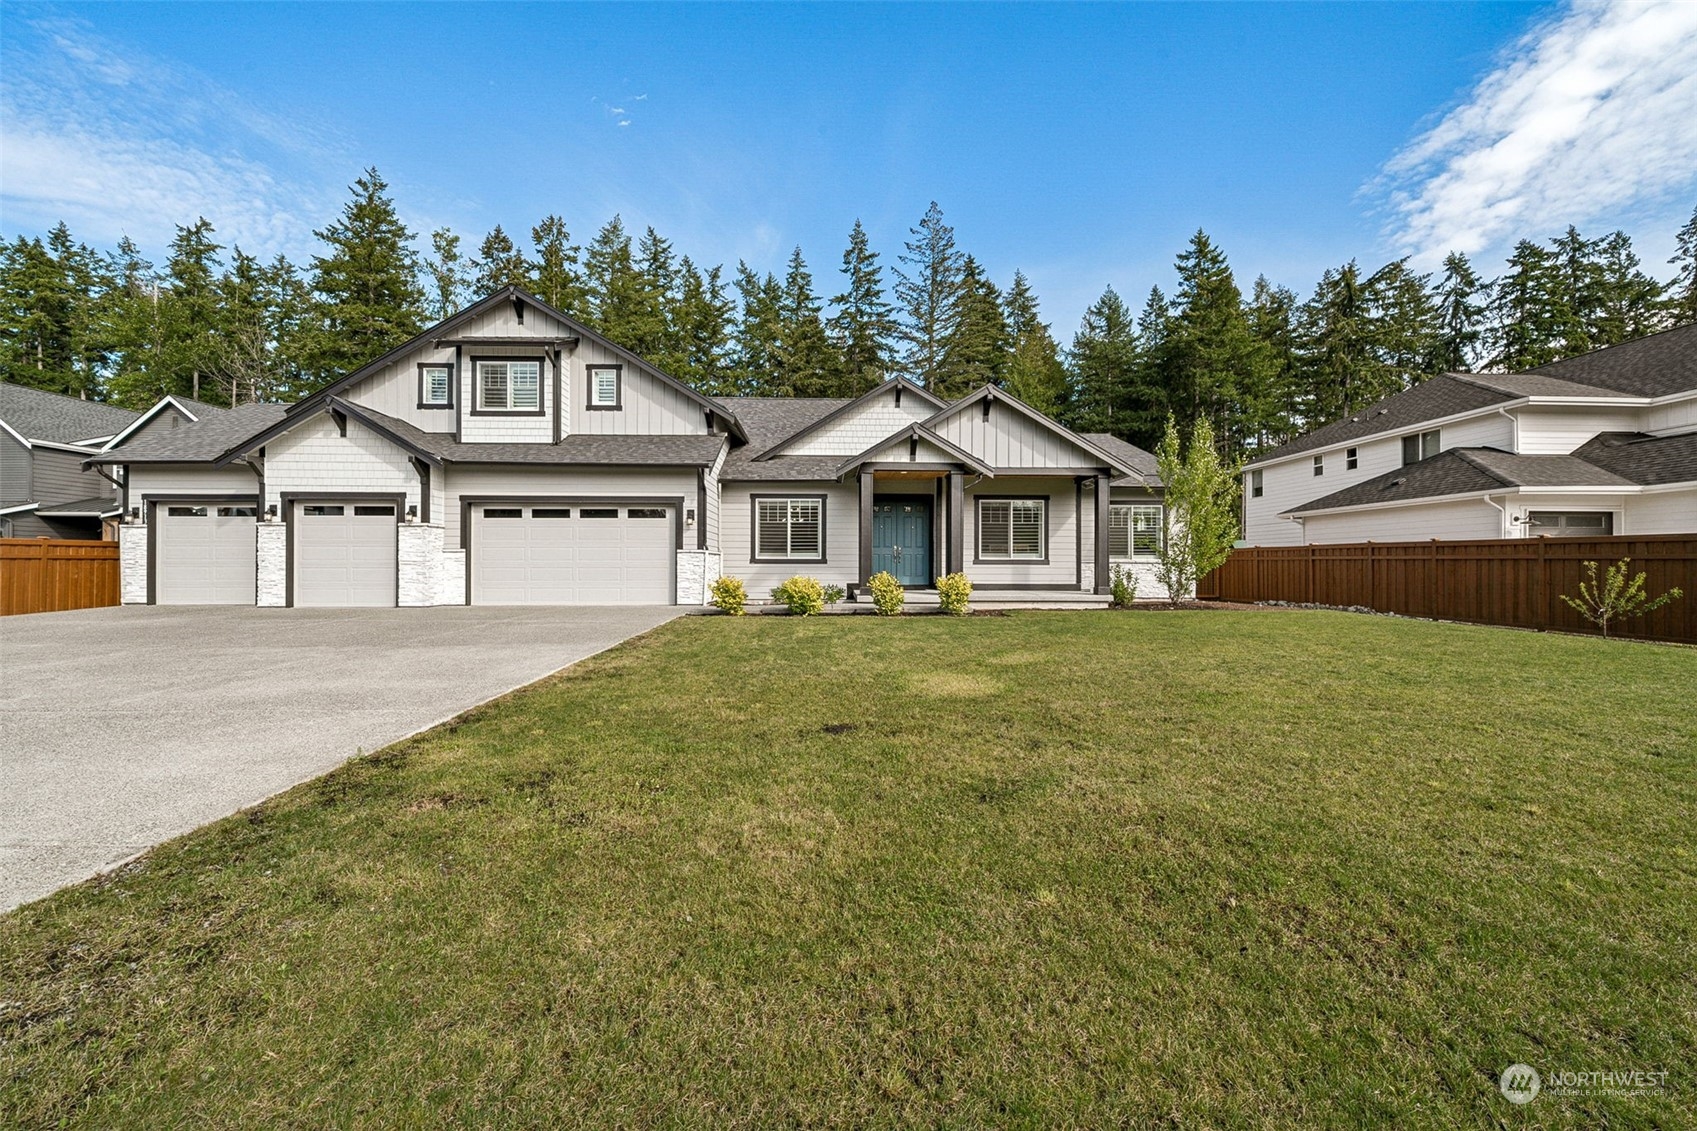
1541,589
1432,580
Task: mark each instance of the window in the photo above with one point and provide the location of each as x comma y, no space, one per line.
374,512
599,512
1134,530
1012,529
509,386
1255,486
603,381
503,512
1423,445
1349,459
321,510
789,529
1319,465
435,386
237,512
646,512
1570,524
186,512
550,512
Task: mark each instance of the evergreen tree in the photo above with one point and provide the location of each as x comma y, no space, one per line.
1461,298
1529,314
38,325
1034,371
189,310
499,264
928,288
1211,355
1577,292
864,325
1336,347
557,279
615,293
652,332
449,273
369,300
976,350
1404,330
247,360
807,365
1269,419
1682,292
1146,403
703,318
1630,303
1101,364
758,334
131,325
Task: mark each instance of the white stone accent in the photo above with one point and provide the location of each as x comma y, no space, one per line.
132,564
697,571
451,581
1149,585
1087,579
419,546
271,545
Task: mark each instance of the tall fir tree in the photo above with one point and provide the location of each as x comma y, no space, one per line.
557,277
863,327
1336,353
50,293
807,364
500,264
369,299
928,286
1530,315
1630,303
652,332
1269,419
1462,298
976,350
449,275
190,310
130,325
1404,330
703,319
1147,403
1682,292
1034,372
617,297
1100,366
1211,355
758,333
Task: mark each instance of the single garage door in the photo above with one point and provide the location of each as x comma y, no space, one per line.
345,554
572,555
204,553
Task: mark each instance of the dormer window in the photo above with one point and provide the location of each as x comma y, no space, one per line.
435,386
604,386
509,385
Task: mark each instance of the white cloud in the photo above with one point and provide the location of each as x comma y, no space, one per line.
1590,115
115,143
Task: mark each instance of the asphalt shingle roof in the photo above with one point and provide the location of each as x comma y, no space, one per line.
770,420
80,508
194,442
696,451
1650,460
1129,455
1433,399
1655,366
37,414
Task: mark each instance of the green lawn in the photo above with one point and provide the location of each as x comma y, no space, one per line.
1049,869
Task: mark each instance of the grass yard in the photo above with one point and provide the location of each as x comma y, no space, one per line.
1240,869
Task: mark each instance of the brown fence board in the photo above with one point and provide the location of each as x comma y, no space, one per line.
1506,581
45,575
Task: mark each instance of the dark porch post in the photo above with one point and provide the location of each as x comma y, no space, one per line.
1101,534
865,526
957,521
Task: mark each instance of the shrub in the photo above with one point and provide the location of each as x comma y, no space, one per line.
804,596
887,595
1614,597
834,593
953,592
1123,584
729,594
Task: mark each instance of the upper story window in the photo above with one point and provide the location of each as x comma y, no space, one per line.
1422,445
1134,530
435,386
789,529
1012,530
604,383
1256,486
1319,465
1351,459
509,385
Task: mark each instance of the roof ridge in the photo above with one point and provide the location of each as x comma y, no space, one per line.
1463,453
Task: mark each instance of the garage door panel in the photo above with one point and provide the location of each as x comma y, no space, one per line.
205,554
344,555
599,555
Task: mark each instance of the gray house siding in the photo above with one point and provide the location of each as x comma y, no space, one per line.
59,478
15,479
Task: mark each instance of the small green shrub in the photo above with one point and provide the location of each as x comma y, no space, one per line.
834,593
953,593
888,597
1122,583
804,596
729,594
1616,596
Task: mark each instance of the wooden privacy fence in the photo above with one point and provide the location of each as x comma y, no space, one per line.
1508,581
46,575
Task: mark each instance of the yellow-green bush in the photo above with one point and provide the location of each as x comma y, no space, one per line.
804,596
888,597
953,592
729,594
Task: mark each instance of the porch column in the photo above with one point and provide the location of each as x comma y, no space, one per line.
865,526
1102,494
957,521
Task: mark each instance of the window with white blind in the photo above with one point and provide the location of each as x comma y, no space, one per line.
603,381
509,386
435,386
1012,530
789,529
1134,530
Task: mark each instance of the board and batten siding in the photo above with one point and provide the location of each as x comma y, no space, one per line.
863,425
649,406
519,481
315,458
1064,528
1009,438
842,535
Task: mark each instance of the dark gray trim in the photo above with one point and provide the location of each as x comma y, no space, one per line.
957,522
339,411
559,389
701,509
423,470
452,380
978,529
990,392
1101,571
1078,529
498,340
459,399
754,528
477,408
618,404
149,502
676,502
1039,472
286,503
865,504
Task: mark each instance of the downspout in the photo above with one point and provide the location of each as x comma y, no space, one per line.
1514,426
1502,521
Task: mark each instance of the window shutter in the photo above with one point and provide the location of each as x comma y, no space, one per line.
493,376
804,529
1028,530
772,530
1119,532
993,540
526,378
1145,531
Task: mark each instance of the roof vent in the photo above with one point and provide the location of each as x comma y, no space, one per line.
1395,483
1382,411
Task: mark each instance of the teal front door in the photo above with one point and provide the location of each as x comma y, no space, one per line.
901,538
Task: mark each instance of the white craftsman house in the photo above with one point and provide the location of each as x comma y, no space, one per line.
1604,443
511,456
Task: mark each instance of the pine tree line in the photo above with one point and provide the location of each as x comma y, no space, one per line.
221,325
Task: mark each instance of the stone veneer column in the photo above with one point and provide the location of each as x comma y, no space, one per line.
419,546
272,550
692,577
132,564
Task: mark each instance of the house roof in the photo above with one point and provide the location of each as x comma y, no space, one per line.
891,385
37,414
1655,366
202,441
1650,460
917,431
1448,394
770,420
1002,396
98,507
1142,464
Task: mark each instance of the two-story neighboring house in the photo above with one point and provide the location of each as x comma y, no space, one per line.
45,491
1604,443
512,456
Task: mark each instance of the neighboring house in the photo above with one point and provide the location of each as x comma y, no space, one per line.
512,456
45,491
1604,443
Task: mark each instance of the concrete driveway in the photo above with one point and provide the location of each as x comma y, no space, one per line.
121,728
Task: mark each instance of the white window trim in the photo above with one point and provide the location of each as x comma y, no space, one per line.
1130,511
446,368
591,378
1012,556
481,403
789,503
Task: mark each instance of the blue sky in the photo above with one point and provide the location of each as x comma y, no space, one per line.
1080,144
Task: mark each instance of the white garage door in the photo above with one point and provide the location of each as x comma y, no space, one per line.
345,554
204,553
572,555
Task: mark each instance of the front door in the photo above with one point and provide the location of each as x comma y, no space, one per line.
901,538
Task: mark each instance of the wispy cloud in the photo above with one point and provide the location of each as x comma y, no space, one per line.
1590,114
115,143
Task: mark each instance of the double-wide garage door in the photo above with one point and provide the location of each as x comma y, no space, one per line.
560,554
204,553
345,554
